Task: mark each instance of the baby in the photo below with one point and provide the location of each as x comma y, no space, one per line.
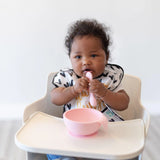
88,45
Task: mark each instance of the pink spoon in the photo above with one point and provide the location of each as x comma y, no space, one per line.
92,99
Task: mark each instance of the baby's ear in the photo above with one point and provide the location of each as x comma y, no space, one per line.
107,57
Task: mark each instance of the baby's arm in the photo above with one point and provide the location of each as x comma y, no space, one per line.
116,100
62,95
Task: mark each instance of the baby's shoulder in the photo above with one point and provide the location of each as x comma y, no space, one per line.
64,78
66,72
114,69
112,76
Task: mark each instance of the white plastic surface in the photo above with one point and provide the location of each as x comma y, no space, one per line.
47,134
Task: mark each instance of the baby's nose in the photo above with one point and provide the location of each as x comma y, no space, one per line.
86,61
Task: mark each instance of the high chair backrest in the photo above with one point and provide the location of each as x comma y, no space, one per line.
132,85
52,109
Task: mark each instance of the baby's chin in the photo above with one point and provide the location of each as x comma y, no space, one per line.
97,75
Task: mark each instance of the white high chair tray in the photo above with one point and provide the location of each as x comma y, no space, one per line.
46,134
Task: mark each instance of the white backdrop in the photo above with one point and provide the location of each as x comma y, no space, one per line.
32,44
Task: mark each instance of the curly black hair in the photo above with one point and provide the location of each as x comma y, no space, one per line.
88,27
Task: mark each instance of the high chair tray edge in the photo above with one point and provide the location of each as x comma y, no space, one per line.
47,134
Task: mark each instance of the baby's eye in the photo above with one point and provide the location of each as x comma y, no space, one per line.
93,55
77,57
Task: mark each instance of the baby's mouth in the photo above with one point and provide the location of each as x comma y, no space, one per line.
86,70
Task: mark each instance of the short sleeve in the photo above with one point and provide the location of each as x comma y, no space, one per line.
63,79
113,76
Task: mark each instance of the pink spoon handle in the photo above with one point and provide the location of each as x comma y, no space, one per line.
92,99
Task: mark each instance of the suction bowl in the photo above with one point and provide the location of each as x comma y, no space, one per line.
84,121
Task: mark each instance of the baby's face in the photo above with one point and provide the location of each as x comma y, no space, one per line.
87,54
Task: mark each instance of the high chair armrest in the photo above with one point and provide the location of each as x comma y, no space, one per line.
42,105
146,119
38,105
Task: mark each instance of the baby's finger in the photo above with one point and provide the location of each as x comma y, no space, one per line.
85,79
85,85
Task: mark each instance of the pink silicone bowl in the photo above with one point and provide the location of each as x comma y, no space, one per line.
84,121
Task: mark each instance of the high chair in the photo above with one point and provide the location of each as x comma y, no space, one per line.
131,84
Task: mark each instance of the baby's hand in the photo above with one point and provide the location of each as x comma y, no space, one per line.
97,88
81,84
